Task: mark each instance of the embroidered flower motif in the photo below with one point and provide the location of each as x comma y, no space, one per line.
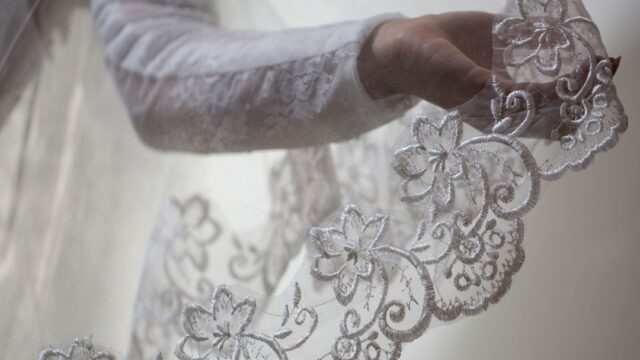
196,231
346,254
223,325
539,35
458,266
82,349
436,155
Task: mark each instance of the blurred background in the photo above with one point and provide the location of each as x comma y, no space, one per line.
575,297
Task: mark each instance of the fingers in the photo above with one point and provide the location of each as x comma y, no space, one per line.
473,62
471,32
548,124
548,89
457,81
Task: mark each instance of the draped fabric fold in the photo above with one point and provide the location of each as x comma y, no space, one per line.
347,236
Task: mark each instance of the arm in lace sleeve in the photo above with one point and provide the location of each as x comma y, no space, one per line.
190,86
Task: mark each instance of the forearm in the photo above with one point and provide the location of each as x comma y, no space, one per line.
191,86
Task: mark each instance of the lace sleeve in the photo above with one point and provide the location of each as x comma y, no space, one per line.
190,86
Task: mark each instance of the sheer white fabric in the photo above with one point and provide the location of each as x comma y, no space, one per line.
357,312
54,162
194,87
453,254
64,131
452,251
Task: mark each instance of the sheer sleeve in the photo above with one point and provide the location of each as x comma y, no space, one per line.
192,86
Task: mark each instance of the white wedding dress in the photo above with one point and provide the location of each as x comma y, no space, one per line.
191,84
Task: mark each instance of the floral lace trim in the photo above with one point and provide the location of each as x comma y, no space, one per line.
178,277
224,329
468,196
81,349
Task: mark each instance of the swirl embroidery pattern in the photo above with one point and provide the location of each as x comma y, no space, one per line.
225,329
591,116
474,193
467,199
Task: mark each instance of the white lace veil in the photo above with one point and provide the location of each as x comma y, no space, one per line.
350,250
64,130
418,222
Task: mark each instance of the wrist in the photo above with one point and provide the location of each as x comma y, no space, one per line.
391,55
374,62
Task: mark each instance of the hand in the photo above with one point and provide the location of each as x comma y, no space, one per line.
445,59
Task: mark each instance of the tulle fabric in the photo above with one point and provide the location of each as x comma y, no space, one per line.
83,196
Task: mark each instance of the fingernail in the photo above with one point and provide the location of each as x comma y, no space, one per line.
615,63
